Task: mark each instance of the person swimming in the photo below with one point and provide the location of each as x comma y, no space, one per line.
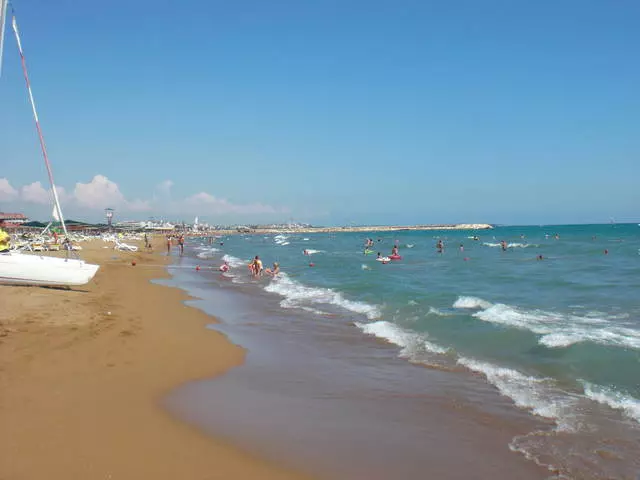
382,259
224,267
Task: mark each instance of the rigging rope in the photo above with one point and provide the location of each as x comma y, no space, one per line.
43,147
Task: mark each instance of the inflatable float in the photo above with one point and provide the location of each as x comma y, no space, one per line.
395,257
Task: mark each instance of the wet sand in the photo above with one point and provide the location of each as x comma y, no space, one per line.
82,372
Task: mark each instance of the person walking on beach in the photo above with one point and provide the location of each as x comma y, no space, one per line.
168,244
181,243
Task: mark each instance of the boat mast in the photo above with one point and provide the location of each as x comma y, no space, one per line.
14,24
3,16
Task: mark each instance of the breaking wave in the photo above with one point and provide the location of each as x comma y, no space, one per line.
298,295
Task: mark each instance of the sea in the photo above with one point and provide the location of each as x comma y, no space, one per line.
471,362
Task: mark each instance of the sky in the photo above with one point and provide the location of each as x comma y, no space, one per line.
331,112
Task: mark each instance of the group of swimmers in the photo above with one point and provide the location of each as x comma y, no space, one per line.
256,269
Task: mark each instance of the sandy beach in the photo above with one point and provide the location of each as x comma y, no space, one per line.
82,372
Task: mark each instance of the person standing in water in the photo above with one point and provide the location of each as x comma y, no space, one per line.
439,246
257,266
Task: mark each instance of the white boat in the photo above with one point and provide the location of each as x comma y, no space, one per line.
25,269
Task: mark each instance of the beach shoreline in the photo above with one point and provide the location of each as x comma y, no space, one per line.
83,372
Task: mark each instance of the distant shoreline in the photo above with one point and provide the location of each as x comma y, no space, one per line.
367,228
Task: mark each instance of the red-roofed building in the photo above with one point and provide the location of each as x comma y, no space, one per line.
12,219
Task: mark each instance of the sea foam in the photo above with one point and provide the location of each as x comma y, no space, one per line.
510,245
533,393
298,295
562,330
207,252
412,343
234,262
629,405
471,303
539,395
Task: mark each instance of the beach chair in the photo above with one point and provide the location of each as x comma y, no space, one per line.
125,247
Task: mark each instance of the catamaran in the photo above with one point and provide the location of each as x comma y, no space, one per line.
24,269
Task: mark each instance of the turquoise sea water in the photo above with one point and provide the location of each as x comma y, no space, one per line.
559,336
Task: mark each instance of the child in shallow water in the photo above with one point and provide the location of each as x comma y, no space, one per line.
273,272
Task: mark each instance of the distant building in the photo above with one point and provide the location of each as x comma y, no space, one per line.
12,219
128,225
145,225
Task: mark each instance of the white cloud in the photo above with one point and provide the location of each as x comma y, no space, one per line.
99,193
165,186
221,206
7,192
63,196
35,193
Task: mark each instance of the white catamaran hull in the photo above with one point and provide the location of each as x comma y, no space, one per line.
22,269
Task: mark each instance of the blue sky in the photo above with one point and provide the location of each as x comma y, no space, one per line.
327,111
